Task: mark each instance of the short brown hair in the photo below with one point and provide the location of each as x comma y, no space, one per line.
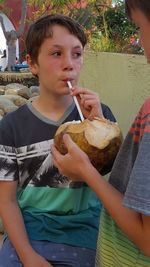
42,29
143,5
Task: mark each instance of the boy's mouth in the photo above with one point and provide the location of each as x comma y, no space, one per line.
68,80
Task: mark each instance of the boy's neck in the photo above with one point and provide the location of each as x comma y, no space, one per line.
53,107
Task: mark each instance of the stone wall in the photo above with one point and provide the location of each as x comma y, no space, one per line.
26,78
14,95
15,89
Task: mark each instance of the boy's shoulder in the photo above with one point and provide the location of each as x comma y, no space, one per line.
16,114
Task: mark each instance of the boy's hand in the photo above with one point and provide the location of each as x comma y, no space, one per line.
36,260
73,163
89,102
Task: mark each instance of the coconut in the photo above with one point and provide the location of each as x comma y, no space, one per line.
100,139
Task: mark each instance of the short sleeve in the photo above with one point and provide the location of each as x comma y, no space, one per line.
8,157
107,113
137,195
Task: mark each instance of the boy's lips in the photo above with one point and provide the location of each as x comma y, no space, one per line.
67,79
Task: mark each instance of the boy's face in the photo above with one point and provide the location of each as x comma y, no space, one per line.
60,59
144,28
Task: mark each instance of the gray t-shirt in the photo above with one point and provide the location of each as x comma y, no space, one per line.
131,171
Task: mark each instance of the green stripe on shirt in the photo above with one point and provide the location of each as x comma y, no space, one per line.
114,249
64,200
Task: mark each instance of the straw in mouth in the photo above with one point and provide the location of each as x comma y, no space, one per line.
76,102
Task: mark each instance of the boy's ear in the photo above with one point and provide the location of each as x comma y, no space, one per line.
33,66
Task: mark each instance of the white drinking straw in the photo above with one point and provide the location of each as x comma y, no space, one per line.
76,102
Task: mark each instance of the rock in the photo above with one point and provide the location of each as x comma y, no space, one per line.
13,96
6,104
16,90
34,94
11,92
2,112
24,92
2,91
16,100
14,86
100,139
2,87
34,89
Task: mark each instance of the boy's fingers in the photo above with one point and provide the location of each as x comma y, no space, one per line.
83,91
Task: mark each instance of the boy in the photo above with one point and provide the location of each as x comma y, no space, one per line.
52,222
124,238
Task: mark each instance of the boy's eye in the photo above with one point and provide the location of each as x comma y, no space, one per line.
77,54
56,53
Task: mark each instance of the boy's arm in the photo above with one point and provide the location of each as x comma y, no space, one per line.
133,224
14,225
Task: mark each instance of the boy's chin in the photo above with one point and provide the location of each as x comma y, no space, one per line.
64,91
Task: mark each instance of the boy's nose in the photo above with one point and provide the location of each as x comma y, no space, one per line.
67,63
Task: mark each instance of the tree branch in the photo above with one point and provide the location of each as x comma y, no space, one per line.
23,18
3,27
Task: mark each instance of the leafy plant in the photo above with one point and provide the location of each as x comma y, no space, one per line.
107,27
114,32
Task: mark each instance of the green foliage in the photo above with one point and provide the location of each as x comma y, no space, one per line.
40,8
84,12
84,17
117,23
103,44
114,32
107,27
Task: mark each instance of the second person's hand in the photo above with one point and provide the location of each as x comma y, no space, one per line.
73,163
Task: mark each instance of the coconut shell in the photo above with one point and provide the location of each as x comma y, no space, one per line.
100,139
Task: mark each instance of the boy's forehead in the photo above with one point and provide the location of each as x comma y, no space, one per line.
56,27
56,33
54,43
